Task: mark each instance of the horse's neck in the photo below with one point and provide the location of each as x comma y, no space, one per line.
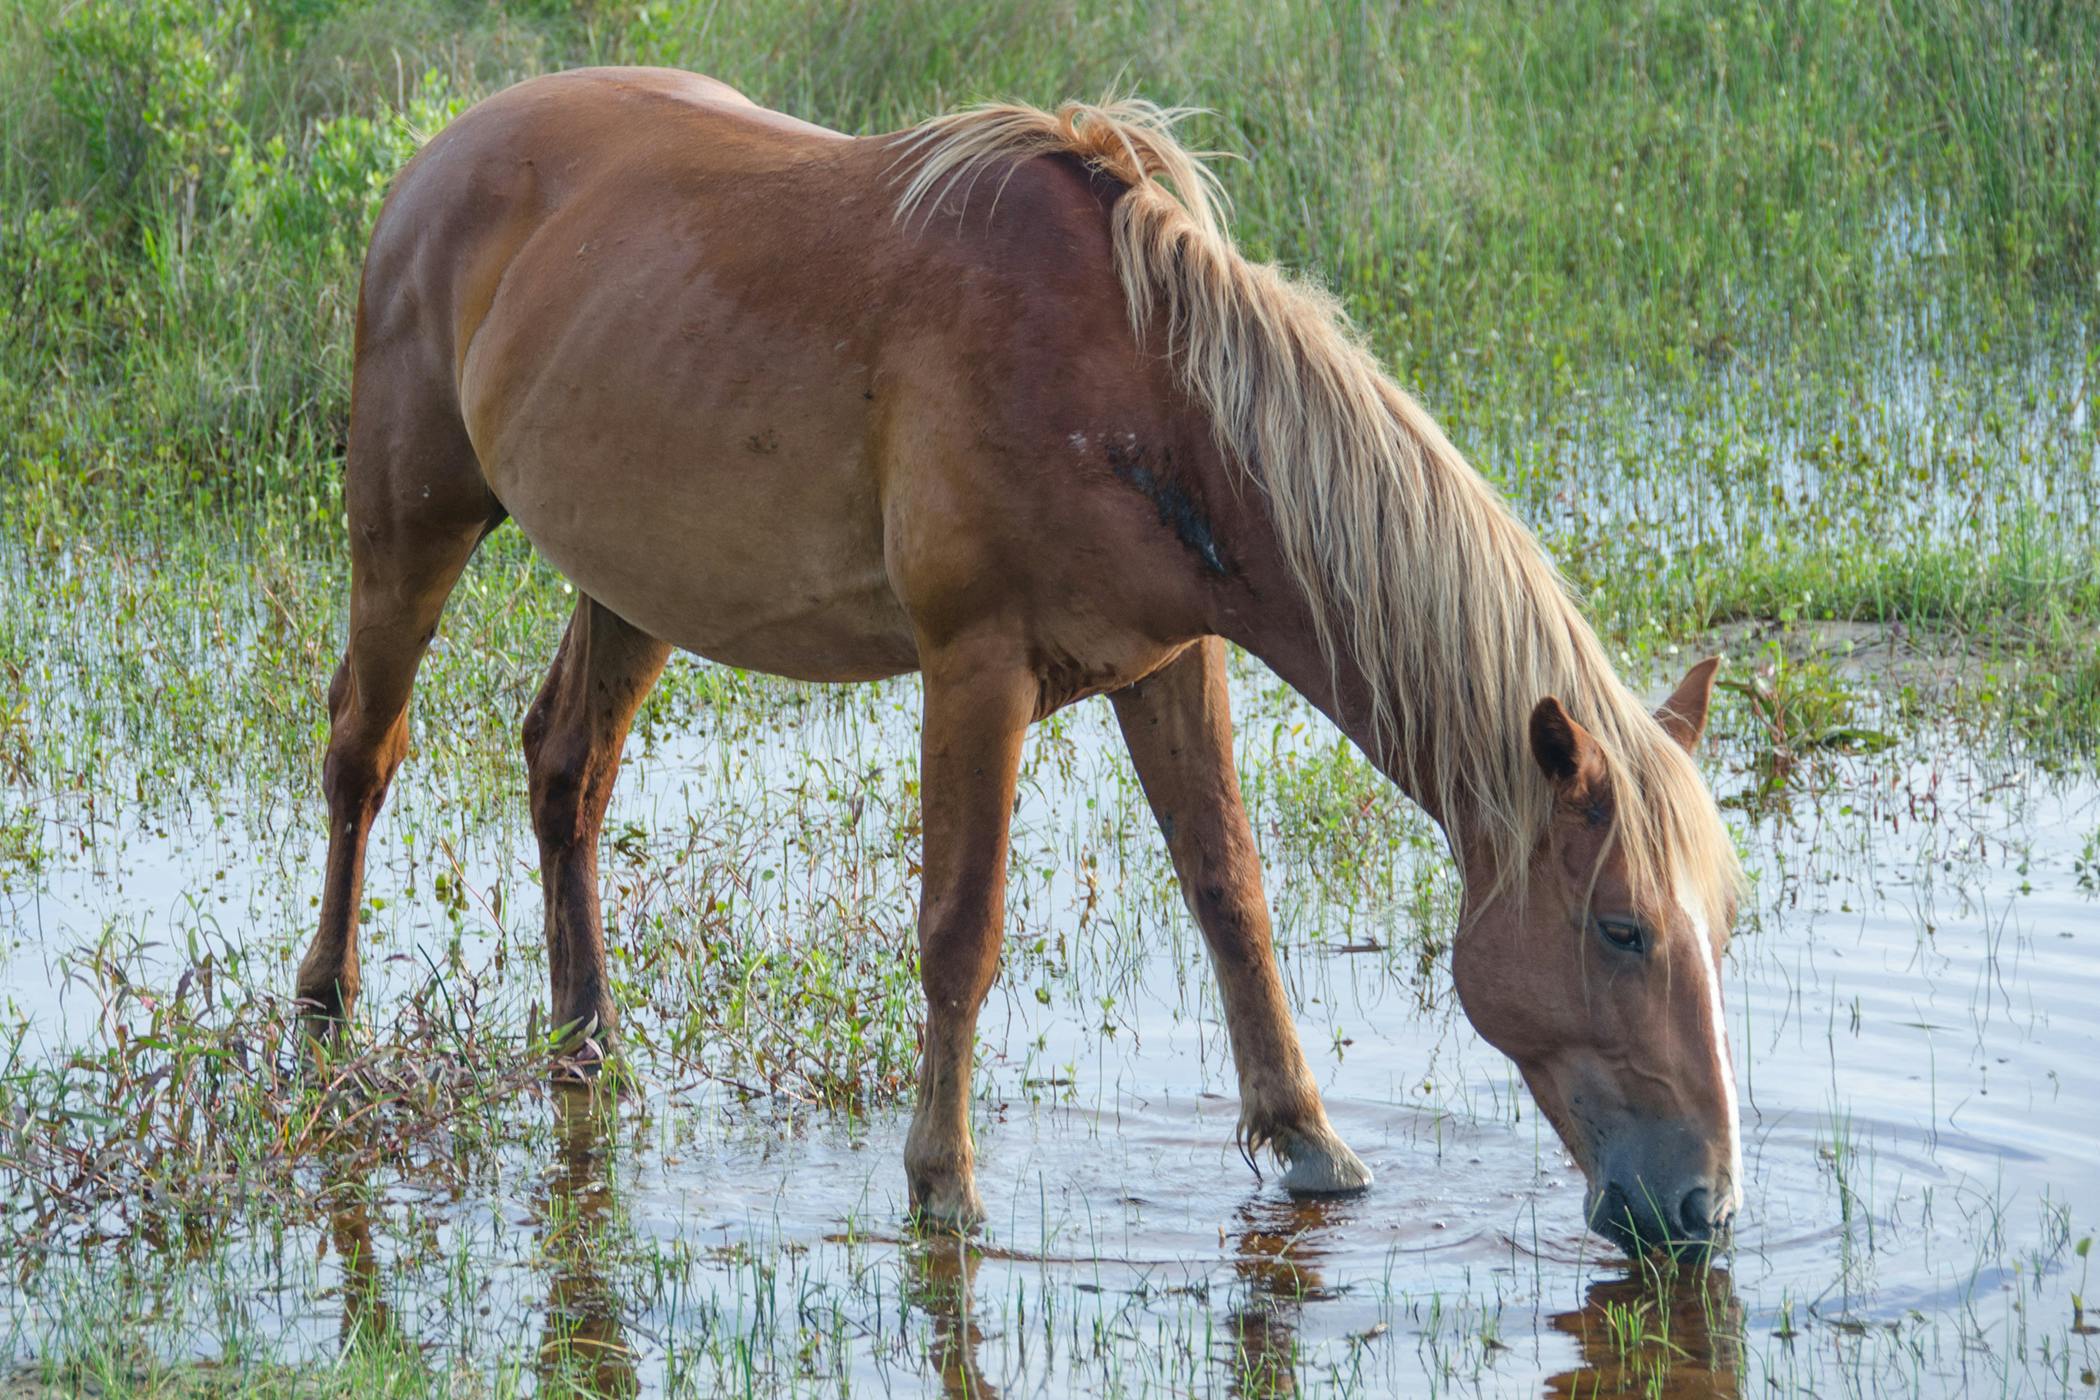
1272,618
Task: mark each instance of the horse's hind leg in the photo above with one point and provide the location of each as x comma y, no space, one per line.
417,507
1178,724
573,736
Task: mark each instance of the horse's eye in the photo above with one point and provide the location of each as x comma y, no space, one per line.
1622,933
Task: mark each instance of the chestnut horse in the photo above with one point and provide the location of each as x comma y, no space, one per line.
997,400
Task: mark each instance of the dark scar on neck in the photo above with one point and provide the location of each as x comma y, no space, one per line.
1177,509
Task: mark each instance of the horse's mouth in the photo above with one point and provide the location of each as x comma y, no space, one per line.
1640,1231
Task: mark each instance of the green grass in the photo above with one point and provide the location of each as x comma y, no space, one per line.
1810,269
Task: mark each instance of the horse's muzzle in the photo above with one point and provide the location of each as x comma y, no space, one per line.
1684,1220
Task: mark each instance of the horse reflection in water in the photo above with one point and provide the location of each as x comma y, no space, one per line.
1275,1253
1277,1250
1662,1331
583,1341
368,1319
1657,1332
583,1344
941,1281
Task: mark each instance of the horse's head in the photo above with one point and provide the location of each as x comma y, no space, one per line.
1602,982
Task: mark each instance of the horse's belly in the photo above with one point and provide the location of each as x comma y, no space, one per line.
781,573
690,446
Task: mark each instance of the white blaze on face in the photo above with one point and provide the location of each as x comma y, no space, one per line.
1723,1061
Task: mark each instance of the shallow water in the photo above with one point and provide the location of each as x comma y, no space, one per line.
1913,998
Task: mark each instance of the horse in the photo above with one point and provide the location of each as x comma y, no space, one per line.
998,400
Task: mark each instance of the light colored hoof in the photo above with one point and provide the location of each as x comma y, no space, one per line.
1317,1168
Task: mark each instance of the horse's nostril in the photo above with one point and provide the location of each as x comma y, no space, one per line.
1694,1214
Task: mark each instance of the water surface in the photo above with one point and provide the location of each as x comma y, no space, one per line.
1913,998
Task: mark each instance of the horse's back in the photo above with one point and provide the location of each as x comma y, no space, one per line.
463,208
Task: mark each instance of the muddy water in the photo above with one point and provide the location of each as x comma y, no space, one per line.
1914,1001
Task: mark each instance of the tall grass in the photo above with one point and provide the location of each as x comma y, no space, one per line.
1770,280
1545,195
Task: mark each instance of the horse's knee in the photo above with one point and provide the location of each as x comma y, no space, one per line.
557,801
957,961
540,715
1234,918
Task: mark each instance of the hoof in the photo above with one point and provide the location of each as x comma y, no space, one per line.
577,1071
324,1027
323,1042
325,1005
606,1075
947,1208
321,1024
1321,1166
585,1051
581,1042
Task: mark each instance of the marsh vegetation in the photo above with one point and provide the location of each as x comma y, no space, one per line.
1777,322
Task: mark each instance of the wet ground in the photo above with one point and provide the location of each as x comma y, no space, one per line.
1913,997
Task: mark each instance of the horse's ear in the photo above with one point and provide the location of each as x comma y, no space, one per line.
1683,715
1564,749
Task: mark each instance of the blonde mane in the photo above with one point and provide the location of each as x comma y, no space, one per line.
1416,570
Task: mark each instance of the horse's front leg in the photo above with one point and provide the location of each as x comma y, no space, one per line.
979,702
1178,724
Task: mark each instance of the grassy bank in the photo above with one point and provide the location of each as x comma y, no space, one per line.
1813,269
